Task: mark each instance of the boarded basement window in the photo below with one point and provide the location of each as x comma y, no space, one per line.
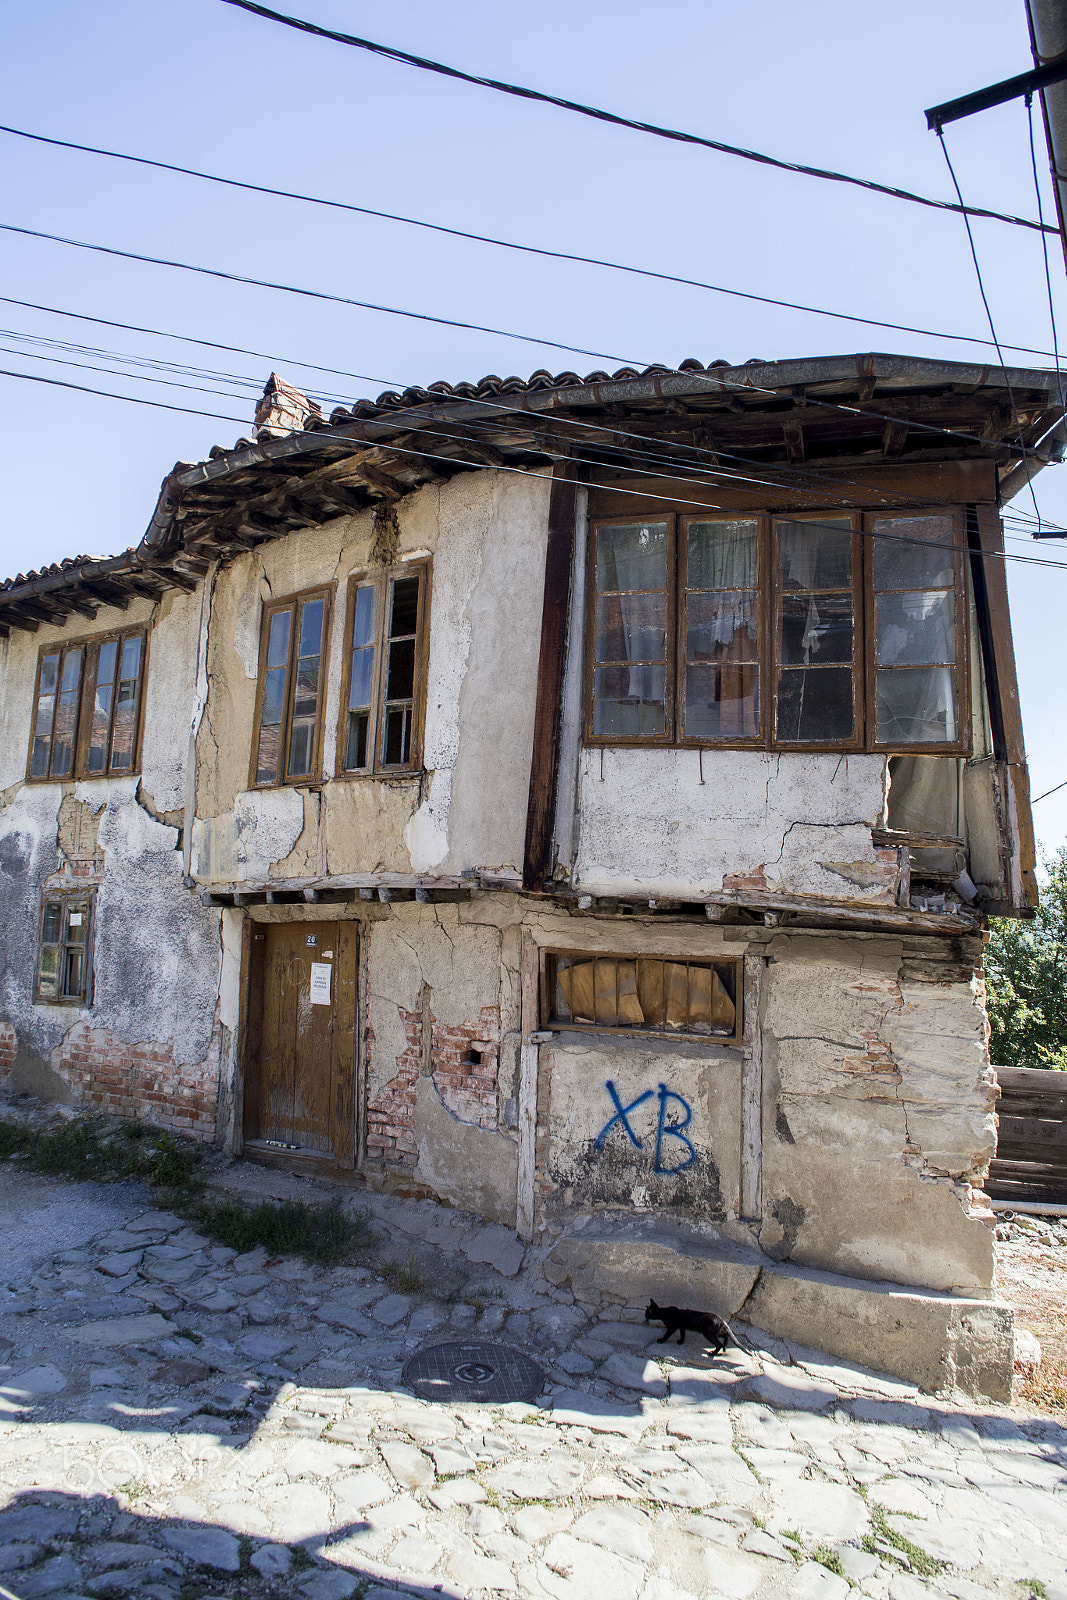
646,994
65,950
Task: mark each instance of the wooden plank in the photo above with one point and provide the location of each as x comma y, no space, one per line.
752,1095
991,544
874,486
252,1009
313,1057
1041,1081
537,864
345,1087
529,1061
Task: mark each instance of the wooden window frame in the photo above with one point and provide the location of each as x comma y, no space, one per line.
772,606
551,1023
381,581
292,602
692,741
68,897
671,651
961,592
864,666
90,645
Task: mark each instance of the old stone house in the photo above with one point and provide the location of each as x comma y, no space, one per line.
575,799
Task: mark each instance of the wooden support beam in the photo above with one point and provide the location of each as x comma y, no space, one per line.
545,764
794,440
893,436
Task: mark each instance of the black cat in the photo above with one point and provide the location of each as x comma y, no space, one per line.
714,1329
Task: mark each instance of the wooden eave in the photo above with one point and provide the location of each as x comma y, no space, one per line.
784,418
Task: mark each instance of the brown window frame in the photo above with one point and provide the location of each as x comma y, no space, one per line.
864,666
70,900
381,582
90,647
293,604
550,1019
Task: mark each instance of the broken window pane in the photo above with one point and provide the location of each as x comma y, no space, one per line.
52,921
646,993
100,726
722,631
815,628
915,630
46,710
400,672
306,688
630,681
66,720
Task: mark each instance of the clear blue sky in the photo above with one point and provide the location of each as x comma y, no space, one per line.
831,83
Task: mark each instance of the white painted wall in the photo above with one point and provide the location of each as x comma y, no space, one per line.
800,823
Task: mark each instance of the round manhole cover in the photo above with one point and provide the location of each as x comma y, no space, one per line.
469,1369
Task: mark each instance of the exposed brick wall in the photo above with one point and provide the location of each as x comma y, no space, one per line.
8,1046
469,1091
107,1074
391,1110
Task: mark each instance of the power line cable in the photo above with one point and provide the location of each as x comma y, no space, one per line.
1047,792
393,384
315,294
478,238
475,327
599,115
653,449
992,329
526,472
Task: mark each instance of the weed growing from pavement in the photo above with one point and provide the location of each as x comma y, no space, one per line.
404,1276
1036,1589
92,1148
323,1234
828,1558
301,1559
926,1566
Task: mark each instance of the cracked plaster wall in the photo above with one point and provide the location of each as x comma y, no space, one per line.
447,965
156,948
486,532
878,1110
785,823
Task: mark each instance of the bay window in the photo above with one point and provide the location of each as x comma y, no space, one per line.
813,631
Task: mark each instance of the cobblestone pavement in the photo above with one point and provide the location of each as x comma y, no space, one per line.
179,1423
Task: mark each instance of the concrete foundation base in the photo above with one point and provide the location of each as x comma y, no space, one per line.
938,1341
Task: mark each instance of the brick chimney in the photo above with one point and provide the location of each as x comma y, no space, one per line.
282,409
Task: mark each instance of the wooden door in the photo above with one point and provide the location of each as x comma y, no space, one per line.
301,1069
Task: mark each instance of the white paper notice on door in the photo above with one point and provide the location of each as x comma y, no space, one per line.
320,983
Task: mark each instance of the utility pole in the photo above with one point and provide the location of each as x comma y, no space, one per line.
1047,23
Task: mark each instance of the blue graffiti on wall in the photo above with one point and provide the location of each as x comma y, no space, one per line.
664,1129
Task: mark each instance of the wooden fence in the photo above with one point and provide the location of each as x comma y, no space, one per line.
1031,1159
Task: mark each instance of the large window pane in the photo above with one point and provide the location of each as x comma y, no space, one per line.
815,555
631,627
306,688
631,557
630,680
917,705
815,705
66,718
45,716
630,701
721,699
916,629
912,552
815,631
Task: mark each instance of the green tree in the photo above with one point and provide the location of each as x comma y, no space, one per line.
1026,979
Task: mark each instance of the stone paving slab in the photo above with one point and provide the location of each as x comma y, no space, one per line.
254,1441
